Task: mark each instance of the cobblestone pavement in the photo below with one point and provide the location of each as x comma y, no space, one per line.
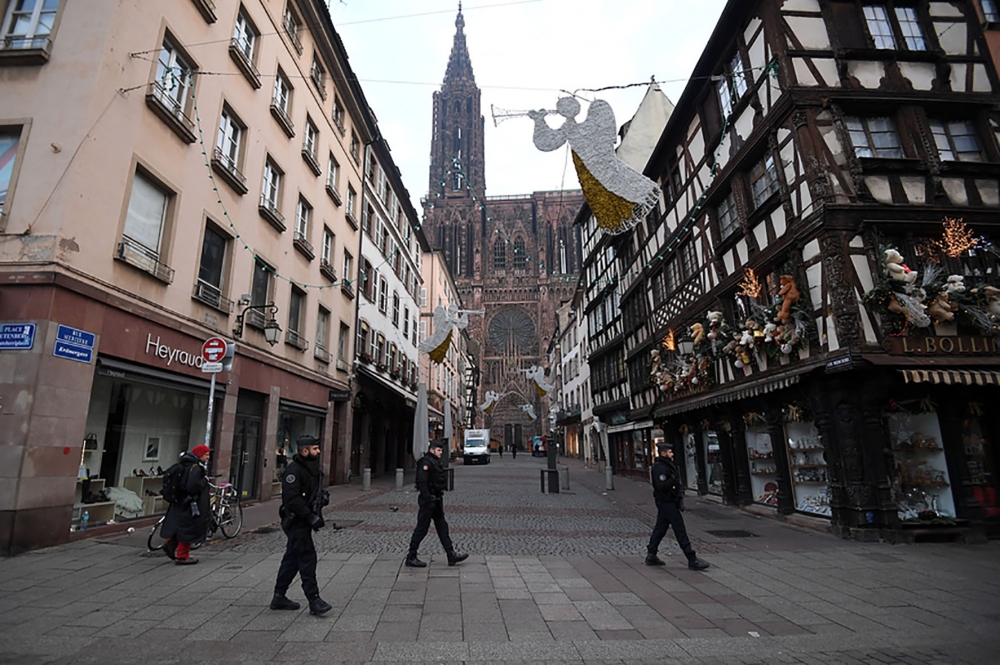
551,579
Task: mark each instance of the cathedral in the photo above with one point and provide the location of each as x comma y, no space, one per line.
515,257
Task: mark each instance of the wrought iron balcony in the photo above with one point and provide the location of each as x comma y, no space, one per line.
19,50
227,168
144,259
212,296
207,10
171,111
292,31
268,209
292,338
347,288
238,52
310,159
331,190
327,270
304,246
281,116
321,354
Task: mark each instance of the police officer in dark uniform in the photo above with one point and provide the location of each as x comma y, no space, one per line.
669,496
302,501
431,483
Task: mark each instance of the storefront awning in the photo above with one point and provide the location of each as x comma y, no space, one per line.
744,391
952,377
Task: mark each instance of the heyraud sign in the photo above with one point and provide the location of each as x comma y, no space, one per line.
172,355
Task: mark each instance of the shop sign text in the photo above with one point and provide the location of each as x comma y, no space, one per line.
941,345
172,355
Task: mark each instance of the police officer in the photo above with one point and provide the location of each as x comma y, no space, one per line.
669,496
302,501
431,483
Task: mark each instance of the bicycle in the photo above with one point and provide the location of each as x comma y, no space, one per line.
226,515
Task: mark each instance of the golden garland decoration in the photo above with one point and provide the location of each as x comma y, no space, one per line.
956,237
750,286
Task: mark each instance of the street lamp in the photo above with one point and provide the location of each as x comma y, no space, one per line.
685,345
271,328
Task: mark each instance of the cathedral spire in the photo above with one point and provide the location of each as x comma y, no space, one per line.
459,64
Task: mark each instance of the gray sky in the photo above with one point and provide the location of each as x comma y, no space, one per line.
523,52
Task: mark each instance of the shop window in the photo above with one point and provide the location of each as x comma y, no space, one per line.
956,140
763,470
810,478
920,483
140,430
291,425
10,139
874,137
691,462
713,461
981,462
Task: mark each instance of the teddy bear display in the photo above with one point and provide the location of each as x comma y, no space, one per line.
897,269
790,295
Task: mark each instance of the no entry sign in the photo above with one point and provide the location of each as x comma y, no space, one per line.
213,350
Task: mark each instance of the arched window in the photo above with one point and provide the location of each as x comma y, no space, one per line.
500,254
520,256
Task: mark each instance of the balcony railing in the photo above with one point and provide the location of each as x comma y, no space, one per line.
339,124
320,83
347,288
207,10
292,338
310,159
171,111
321,354
304,246
327,270
212,296
269,210
282,117
19,50
351,219
144,259
342,365
226,167
331,190
255,319
292,30
237,51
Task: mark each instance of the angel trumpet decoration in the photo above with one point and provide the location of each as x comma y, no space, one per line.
537,375
491,401
446,322
618,195
529,410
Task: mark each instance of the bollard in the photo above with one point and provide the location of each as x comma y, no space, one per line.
366,480
609,481
399,479
564,477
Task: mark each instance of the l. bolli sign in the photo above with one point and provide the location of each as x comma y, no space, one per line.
172,355
940,345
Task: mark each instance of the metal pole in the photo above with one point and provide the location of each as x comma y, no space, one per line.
399,479
211,402
609,482
366,480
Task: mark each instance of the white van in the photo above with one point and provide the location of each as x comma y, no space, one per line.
477,446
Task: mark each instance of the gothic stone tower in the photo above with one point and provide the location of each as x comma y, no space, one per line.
517,257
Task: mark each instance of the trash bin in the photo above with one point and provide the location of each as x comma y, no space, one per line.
450,479
550,480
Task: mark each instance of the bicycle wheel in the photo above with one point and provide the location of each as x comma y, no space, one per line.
231,520
154,542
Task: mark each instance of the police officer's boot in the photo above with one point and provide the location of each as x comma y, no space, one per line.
280,602
413,562
455,558
319,606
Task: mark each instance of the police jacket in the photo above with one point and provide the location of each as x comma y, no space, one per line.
665,479
430,477
299,484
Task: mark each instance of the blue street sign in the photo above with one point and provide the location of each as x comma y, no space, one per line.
72,352
75,336
17,336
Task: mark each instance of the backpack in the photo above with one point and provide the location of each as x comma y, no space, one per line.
173,484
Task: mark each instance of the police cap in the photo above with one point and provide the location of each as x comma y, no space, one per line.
306,440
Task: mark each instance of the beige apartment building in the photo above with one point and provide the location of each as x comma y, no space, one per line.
170,172
446,382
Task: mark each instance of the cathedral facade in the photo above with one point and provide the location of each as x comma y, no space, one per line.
514,257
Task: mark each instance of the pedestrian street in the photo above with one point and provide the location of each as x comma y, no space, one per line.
553,578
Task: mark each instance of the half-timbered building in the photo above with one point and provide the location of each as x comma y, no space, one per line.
811,314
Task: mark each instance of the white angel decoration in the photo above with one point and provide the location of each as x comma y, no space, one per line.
446,322
618,195
529,410
537,375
